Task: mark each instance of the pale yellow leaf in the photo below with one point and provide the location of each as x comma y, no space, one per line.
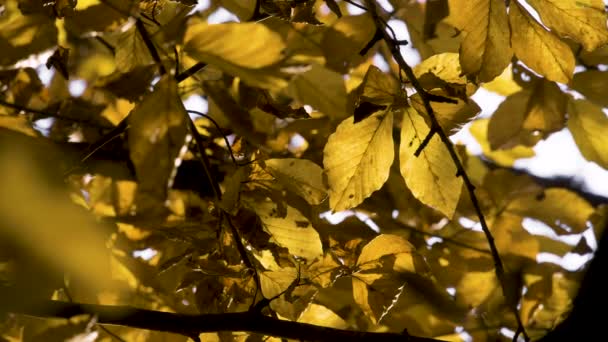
382,245
582,20
538,48
592,84
157,133
479,130
503,84
561,209
321,88
248,45
485,50
589,126
357,159
446,67
432,175
293,231
378,87
451,116
321,315
301,176
274,283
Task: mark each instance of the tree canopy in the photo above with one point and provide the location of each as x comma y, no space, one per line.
285,173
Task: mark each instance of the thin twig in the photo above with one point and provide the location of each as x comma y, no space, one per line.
145,36
219,130
436,129
190,71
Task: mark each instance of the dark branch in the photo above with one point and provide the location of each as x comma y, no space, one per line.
145,36
191,71
193,325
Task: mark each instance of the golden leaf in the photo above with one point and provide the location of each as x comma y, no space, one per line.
274,283
582,20
432,175
538,48
357,159
301,176
293,231
479,130
485,50
592,84
588,125
321,88
131,51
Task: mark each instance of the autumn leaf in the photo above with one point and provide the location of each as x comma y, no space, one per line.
293,231
506,157
588,123
377,282
321,88
583,21
131,51
485,50
156,136
592,84
527,116
274,283
301,176
538,48
432,175
357,159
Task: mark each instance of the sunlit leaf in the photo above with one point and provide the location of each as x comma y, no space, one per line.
275,283
131,51
588,124
301,176
293,231
561,209
479,130
248,45
583,21
432,175
485,50
540,49
357,159
377,282
320,315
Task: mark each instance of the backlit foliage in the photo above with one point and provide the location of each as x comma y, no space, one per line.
273,162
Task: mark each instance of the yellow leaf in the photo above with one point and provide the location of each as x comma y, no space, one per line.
382,245
131,51
479,130
321,88
18,123
248,45
274,283
301,176
446,67
523,115
378,87
561,209
432,175
357,159
582,20
156,136
474,288
593,85
343,41
504,84
323,272
451,116
379,278
485,50
321,315
293,231
538,48
588,125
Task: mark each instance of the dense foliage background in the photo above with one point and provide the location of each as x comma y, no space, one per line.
239,181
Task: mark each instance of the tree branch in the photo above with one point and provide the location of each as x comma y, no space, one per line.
193,325
436,129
